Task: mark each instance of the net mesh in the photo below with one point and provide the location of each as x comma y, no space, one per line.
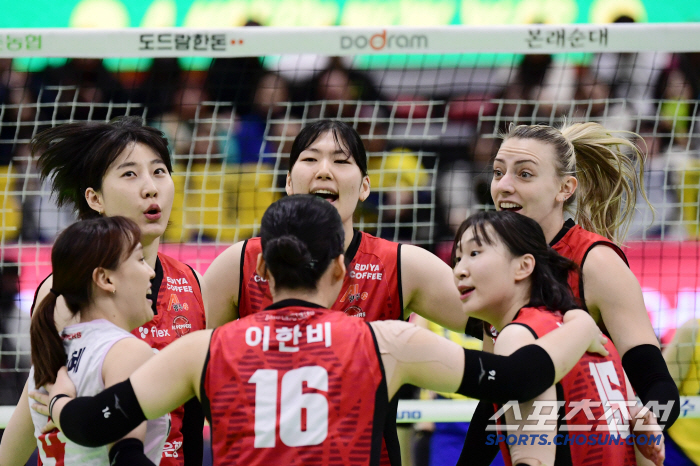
430,123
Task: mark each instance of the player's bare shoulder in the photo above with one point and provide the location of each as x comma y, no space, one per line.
222,284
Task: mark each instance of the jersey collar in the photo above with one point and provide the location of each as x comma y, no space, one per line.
568,225
354,246
155,286
292,302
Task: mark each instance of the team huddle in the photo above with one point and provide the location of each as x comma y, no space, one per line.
294,344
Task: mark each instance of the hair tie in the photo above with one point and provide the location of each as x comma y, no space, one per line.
55,292
312,264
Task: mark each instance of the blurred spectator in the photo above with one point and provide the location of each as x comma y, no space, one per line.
188,121
674,90
17,123
630,77
233,80
457,192
689,63
157,89
269,126
400,197
81,89
340,89
542,81
591,98
661,178
19,110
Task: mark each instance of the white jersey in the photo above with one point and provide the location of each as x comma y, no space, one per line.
86,345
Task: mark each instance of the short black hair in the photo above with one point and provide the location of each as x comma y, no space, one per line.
300,236
523,235
76,156
345,137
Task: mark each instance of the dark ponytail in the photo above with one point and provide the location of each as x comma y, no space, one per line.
300,236
78,251
46,344
550,285
521,235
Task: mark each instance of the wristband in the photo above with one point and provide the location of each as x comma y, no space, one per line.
53,401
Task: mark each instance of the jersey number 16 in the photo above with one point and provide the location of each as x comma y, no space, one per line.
293,403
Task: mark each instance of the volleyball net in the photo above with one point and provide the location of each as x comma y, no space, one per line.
429,104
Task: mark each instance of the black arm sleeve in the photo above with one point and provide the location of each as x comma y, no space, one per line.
93,421
476,452
649,376
192,438
128,452
499,379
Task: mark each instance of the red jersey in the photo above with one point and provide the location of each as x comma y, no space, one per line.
574,243
371,289
303,385
178,310
595,380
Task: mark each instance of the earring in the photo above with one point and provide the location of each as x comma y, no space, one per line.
114,291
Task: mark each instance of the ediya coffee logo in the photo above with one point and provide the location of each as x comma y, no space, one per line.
384,41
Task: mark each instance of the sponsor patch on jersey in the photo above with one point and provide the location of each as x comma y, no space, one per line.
155,332
367,272
353,294
72,336
355,311
181,285
175,305
181,325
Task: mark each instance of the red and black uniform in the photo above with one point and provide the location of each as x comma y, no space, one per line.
303,385
574,243
594,378
371,289
178,310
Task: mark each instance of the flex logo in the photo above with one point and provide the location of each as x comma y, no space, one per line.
155,332
353,294
174,304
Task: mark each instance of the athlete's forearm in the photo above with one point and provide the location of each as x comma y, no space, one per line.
93,421
650,378
499,379
18,440
570,341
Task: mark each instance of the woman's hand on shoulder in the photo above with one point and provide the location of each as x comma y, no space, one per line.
584,320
